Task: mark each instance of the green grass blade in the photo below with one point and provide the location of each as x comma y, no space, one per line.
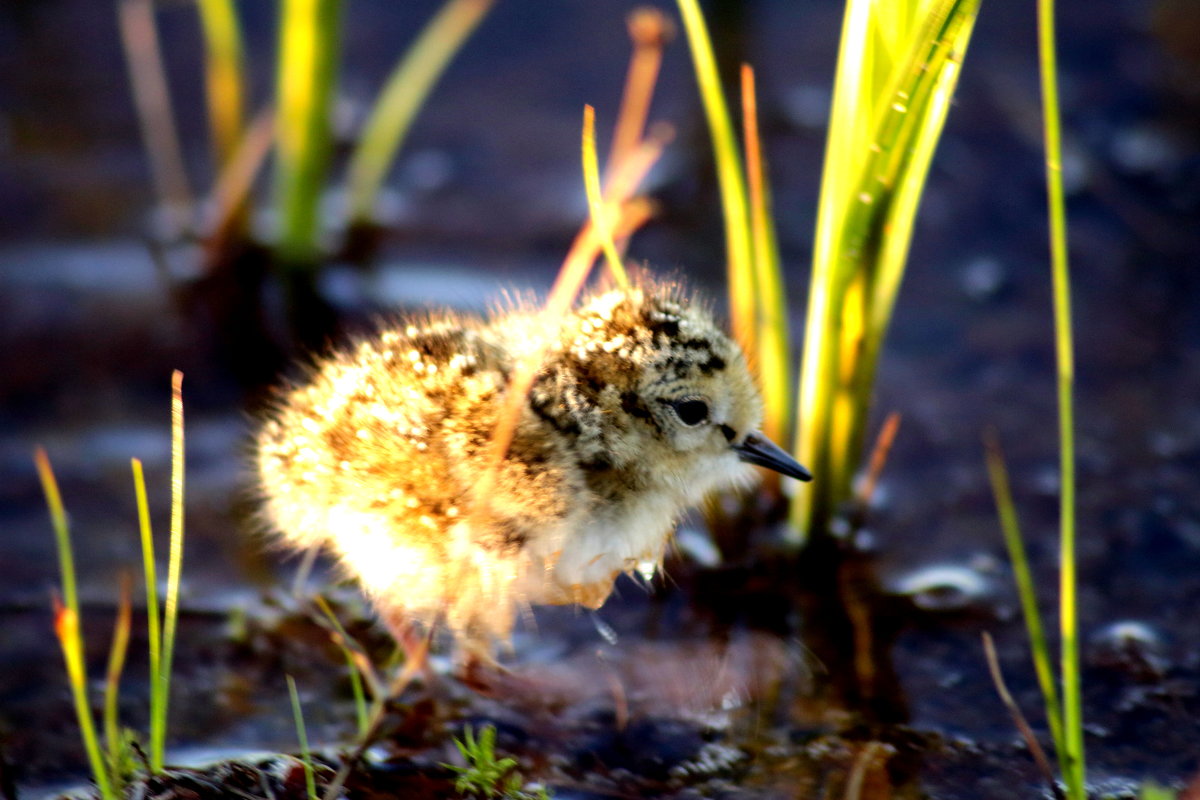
309,33
1039,647
402,97
730,175
310,783
224,76
174,571
771,322
158,710
601,219
66,627
1073,764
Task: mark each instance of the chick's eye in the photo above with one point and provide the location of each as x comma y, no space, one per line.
691,411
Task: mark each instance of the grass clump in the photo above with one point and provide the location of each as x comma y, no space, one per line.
898,65
485,775
114,765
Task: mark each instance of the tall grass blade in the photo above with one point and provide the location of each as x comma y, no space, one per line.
309,33
757,304
738,240
112,680
310,784
650,31
891,96
66,626
174,575
601,220
1023,575
770,306
158,707
152,98
1072,757
224,76
402,97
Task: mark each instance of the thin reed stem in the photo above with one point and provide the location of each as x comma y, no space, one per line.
770,306
738,240
152,99
112,677
1072,758
600,218
1023,575
310,782
174,572
402,97
66,627
309,34
224,76
158,708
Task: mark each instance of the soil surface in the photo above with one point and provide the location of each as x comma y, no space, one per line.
734,677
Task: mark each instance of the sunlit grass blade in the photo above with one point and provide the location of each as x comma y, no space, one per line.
358,664
596,206
310,783
891,97
1023,575
1071,758
158,708
224,76
730,175
402,97
770,306
309,34
66,627
113,736
756,299
152,99
174,575
650,30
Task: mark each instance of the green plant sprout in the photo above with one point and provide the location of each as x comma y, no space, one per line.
310,782
486,776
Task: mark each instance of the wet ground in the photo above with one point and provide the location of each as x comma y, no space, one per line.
727,680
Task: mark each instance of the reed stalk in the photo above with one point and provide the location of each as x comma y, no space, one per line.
66,628
756,298
402,97
1071,757
305,73
224,77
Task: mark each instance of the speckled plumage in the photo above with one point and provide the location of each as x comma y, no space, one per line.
380,455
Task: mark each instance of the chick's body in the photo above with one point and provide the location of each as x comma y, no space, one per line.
641,406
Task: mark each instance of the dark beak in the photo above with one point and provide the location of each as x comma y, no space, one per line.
758,449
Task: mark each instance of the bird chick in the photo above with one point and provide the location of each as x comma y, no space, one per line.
641,405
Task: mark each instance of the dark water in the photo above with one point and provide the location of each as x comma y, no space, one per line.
489,196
